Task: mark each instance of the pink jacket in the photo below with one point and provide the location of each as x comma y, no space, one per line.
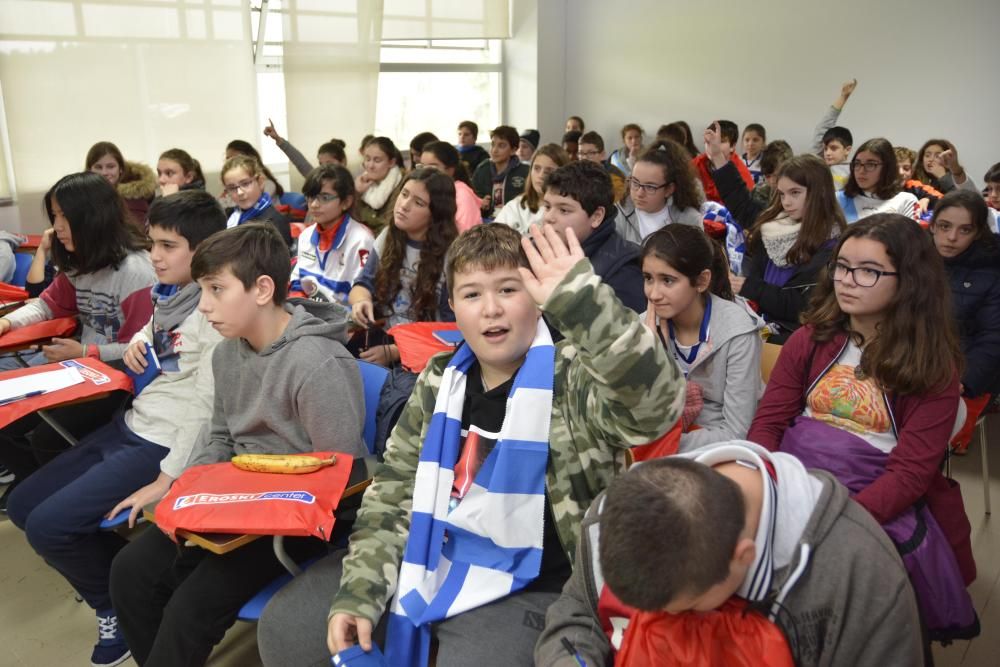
468,207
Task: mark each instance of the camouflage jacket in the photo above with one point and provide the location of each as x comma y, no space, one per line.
614,388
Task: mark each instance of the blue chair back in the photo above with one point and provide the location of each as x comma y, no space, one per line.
22,262
295,200
373,377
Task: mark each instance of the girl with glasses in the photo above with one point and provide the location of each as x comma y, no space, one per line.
791,243
243,181
334,248
663,189
868,390
971,254
874,185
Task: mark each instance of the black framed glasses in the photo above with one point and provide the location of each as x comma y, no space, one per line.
868,166
863,276
648,188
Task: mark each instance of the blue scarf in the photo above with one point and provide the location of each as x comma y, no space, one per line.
490,544
255,210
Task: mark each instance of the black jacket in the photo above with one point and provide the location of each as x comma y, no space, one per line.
616,261
735,195
975,290
783,305
278,219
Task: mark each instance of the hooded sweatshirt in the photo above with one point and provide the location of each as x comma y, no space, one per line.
9,244
727,368
829,577
629,228
302,393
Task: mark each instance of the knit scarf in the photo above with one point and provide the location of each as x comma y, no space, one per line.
259,206
779,235
172,305
490,544
378,194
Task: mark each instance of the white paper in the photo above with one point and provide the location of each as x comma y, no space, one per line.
43,382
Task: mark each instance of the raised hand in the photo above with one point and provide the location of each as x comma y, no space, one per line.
551,259
845,92
713,146
269,131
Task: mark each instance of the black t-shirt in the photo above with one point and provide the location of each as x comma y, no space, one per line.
482,418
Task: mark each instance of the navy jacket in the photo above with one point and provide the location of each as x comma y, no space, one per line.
975,290
616,261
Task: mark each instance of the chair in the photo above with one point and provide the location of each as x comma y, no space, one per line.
373,377
22,263
768,357
981,437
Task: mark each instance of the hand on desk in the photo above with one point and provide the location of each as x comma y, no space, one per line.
4,325
62,349
344,631
150,493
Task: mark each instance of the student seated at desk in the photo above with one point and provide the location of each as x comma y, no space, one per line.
403,279
285,384
61,506
104,280
509,412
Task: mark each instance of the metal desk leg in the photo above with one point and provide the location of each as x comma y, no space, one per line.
57,427
284,558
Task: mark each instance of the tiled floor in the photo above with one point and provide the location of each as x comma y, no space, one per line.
41,624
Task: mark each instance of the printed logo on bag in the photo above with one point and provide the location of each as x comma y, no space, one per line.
89,373
229,498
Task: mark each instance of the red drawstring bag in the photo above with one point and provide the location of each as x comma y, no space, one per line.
417,344
726,636
12,293
221,498
39,332
665,445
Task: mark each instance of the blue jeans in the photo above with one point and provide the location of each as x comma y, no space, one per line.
61,506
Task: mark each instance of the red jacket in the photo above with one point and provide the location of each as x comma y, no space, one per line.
704,167
923,427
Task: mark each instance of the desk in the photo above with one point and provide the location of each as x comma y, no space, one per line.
31,245
222,543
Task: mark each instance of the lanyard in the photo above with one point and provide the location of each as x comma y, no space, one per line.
702,336
322,256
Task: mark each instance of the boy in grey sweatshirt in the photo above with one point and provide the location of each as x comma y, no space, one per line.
731,524
284,383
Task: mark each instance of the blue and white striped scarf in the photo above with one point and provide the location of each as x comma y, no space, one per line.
490,544
259,206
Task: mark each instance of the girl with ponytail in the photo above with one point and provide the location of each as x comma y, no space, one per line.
713,340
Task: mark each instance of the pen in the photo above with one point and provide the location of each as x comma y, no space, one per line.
30,394
568,645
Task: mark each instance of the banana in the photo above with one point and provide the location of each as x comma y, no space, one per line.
281,463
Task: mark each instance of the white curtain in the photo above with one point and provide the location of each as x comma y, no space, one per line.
330,65
143,76
446,19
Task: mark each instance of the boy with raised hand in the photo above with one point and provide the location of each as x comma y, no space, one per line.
777,552
471,521
60,507
285,384
833,142
705,163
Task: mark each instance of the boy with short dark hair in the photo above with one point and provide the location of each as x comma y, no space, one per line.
470,153
734,529
285,384
61,506
501,178
833,142
487,472
571,143
579,196
591,148
704,164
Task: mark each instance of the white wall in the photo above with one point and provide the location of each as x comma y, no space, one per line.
925,68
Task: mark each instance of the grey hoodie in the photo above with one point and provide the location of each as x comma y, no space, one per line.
9,244
727,369
301,394
627,220
844,599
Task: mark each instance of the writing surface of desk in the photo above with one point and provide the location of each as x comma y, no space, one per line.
362,473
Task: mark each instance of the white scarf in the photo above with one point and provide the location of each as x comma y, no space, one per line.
779,235
378,194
